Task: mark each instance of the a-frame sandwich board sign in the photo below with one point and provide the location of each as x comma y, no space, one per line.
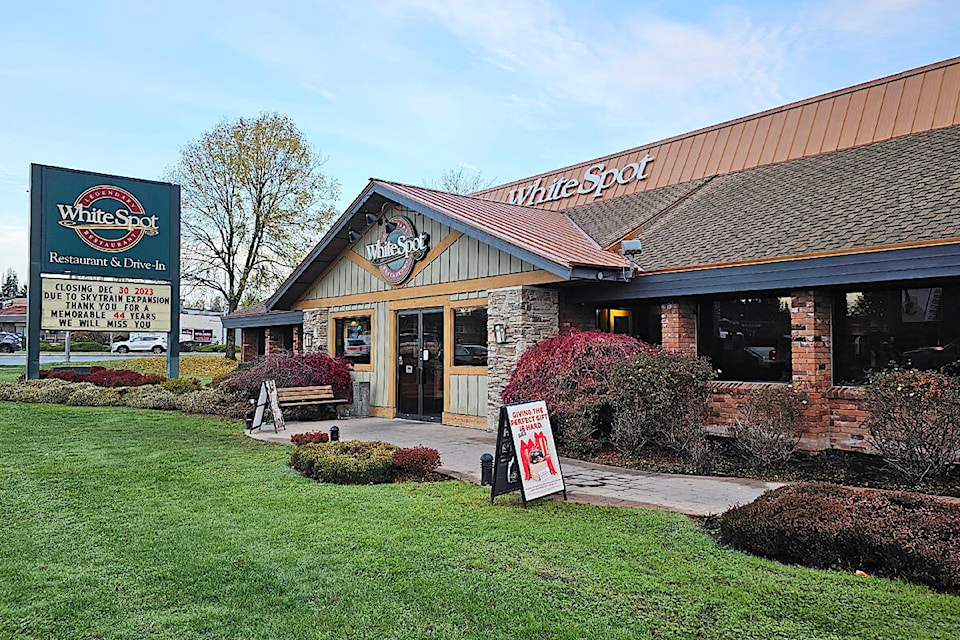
526,457
268,400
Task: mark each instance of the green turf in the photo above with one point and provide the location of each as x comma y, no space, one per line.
9,373
119,523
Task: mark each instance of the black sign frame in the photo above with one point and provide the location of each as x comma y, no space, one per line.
506,465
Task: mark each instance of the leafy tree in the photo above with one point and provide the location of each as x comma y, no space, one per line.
460,180
11,285
254,200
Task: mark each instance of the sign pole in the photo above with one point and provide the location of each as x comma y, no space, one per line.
34,294
173,338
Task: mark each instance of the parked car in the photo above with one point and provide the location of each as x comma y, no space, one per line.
156,344
10,342
470,355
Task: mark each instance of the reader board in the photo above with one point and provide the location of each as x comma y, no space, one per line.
104,305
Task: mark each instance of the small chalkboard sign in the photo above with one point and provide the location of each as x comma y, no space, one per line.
268,394
527,457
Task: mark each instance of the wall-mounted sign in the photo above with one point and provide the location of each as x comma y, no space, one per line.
106,226
594,180
101,305
397,250
527,455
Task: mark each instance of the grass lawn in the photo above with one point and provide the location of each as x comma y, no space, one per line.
204,366
121,523
9,373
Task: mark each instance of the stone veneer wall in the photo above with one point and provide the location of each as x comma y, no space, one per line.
317,322
528,315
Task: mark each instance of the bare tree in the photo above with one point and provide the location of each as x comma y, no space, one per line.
254,200
460,180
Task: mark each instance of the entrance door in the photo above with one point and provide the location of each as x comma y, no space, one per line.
420,364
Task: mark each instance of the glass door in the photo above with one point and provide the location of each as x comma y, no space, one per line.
420,364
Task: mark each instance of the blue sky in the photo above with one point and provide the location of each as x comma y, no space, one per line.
404,89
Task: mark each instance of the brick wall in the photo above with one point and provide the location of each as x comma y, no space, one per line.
847,416
810,334
679,326
251,344
274,339
575,315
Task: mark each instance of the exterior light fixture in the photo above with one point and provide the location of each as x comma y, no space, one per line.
499,333
352,235
371,218
389,226
308,340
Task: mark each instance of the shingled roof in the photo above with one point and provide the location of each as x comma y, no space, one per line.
897,193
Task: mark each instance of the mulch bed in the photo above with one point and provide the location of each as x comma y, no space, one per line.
839,467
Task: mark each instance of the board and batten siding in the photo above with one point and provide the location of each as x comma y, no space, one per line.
466,259
381,360
468,395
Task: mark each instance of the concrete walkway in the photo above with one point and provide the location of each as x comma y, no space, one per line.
460,450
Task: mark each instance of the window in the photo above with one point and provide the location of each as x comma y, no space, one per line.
642,321
352,339
903,327
747,339
470,337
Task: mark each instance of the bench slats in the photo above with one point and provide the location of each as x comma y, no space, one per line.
299,396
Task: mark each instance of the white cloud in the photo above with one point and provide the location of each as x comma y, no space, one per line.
869,16
616,67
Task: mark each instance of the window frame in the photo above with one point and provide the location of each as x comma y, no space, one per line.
450,337
332,335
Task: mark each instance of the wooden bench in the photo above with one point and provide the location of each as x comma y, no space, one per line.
302,396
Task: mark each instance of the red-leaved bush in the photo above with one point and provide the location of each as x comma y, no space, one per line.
416,462
103,377
294,370
310,437
570,373
895,534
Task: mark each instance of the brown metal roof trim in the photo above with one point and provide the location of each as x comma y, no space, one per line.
923,99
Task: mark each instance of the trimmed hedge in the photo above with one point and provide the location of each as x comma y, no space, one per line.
103,377
311,437
416,463
895,534
292,370
345,462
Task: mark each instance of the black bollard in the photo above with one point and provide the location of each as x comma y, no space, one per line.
248,418
486,470
334,433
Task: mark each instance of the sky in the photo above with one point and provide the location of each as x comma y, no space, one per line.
406,89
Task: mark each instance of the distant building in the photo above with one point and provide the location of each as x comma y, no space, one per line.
13,315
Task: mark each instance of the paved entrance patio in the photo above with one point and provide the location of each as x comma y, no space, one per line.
460,450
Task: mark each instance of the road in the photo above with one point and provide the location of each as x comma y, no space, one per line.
47,358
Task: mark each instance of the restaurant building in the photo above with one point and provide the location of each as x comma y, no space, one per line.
807,244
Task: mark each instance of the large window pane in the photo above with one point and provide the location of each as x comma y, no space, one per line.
353,339
747,339
470,337
916,327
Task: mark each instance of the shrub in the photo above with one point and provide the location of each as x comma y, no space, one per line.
894,534
103,377
59,392
769,429
661,396
310,437
151,397
914,421
181,385
90,395
216,401
416,462
570,373
87,347
293,370
213,348
345,462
